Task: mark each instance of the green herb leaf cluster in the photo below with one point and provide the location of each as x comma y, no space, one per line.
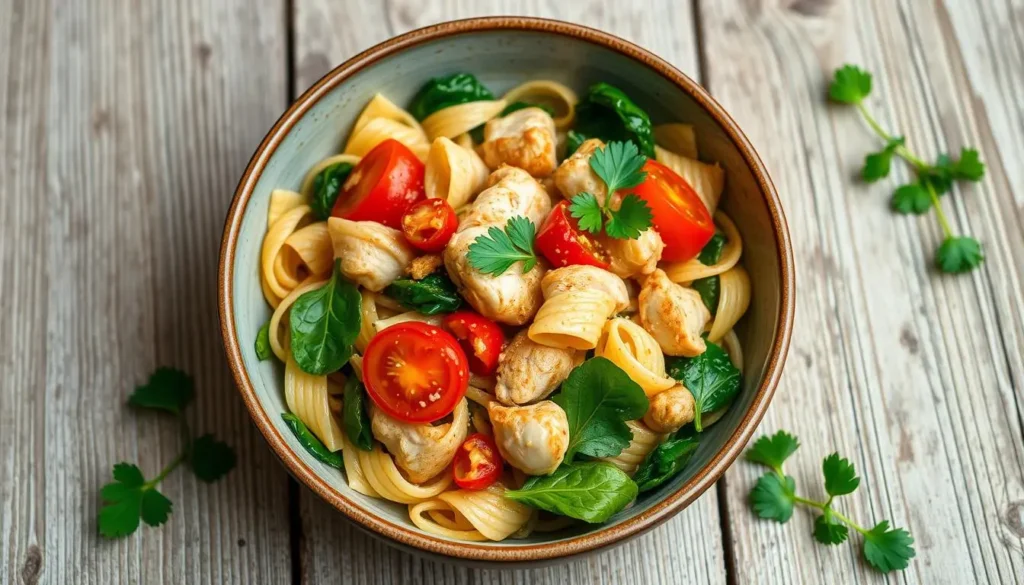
619,165
327,186
130,499
443,92
664,462
852,85
500,249
324,324
431,295
774,497
711,377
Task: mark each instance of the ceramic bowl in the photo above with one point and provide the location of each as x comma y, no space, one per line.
503,52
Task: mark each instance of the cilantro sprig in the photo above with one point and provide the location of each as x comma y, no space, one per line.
500,249
131,499
619,165
851,85
774,497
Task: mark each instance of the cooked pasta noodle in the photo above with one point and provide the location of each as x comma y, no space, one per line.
733,300
382,107
692,269
677,138
573,319
354,470
479,395
273,241
471,514
378,130
732,347
707,180
282,200
479,419
560,98
453,173
368,312
384,477
306,397
312,244
455,120
634,350
644,441
382,324
307,183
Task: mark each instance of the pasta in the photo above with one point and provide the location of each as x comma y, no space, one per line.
677,138
471,515
558,97
306,397
633,349
572,320
455,120
644,441
692,269
380,120
707,180
733,300
307,183
453,173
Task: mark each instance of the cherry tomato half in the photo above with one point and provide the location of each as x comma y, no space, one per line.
415,372
481,339
382,186
477,463
562,242
429,224
680,216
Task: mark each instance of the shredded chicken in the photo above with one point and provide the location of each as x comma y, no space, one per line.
421,450
673,314
529,371
670,410
524,138
530,438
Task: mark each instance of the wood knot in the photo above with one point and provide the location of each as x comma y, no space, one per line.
99,121
32,566
203,53
1014,518
909,340
811,7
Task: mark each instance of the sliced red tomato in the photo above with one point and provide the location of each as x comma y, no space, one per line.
481,339
415,372
382,186
562,242
477,463
680,216
429,224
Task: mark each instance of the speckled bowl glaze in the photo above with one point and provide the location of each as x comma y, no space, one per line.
503,52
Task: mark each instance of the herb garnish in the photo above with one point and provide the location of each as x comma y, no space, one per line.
324,324
620,166
774,496
262,343
851,85
590,491
497,251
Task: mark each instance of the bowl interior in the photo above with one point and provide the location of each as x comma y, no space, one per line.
502,59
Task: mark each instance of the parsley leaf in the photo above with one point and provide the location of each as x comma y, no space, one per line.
598,397
262,345
168,389
840,477
887,549
774,450
828,531
911,198
128,475
969,167
120,516
877,164
619,165
211,459
959,254
156,508
772,497
585,208
850,85
497,251
631,218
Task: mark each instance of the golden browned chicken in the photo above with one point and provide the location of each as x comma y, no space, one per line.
673,314
670,410
372,255
524,138
421,450
574,175
630,258
530,438
529,371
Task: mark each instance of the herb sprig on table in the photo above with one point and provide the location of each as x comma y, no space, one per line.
131,498
851,85
774,496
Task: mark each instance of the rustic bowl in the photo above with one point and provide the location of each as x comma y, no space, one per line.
503,52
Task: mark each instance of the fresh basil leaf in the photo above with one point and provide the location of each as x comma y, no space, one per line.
312,444
606,112
324,324
598,397
664,462
354,415
710,289
431,295
712,251
573,140
327,186
710,377
262,344
443,92
592,491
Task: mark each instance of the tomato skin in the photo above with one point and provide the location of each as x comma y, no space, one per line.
682,220
477,463
415,372
481,339
382,186
563,243
429,224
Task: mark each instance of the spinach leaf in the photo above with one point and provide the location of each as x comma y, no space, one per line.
354,415
326,187
262,344
709,289
712,251
607,113
710,377
598,397
324,325
591,491
443,92
664,462
431,295
573,140
312,444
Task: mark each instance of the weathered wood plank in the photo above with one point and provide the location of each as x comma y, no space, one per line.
912,374
125,129
688,549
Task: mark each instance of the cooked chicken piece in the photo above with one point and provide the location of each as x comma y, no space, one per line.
673,314
633,257
530,438
575,176
529,371
512,297
421,450
371,254
670,410
525,139
423,266
579,277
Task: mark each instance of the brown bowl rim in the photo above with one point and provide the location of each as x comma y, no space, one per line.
406,535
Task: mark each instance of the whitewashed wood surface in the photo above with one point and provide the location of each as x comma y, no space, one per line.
125,125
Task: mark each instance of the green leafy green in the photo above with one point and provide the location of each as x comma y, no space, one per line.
262,344
211,459
712,251
431,295
877,164
911,198
850,85
888,550
630,220
573,140
840,477
664,462
591,491
959,254
969,166
774,450
772,497
120,514
606,112
619,165
312,444
598,397
354,415
327,186
588,210
709,289
155,507
500,249
324,323
710,377
827,530
443,92
168,389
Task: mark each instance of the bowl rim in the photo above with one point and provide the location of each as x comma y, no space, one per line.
487,552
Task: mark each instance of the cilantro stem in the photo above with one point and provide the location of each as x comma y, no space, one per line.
165,472
828,505
900,150
850,523
938,209
815,504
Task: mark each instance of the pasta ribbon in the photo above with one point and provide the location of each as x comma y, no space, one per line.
471,514
692,269
733,301
732,346
454,120
633,349
572,320
382,119
454,173
307,183
707,180
282,200
271,267
560,98
307,398
644,441
677,138
383,477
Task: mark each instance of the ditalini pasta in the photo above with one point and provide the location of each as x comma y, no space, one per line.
453,290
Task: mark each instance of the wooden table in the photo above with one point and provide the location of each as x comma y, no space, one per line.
125,126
